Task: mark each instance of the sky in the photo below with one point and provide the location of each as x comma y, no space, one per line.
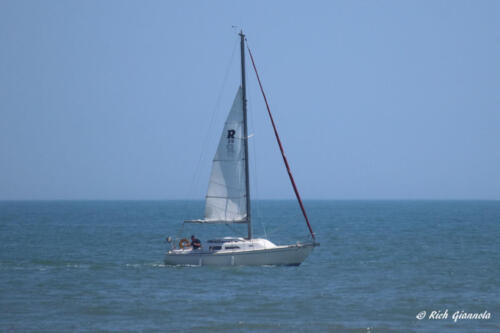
372,99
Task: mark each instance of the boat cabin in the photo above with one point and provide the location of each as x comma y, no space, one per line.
239,244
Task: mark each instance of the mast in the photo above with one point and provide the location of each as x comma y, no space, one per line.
245,132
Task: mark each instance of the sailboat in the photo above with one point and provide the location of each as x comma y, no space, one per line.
228,199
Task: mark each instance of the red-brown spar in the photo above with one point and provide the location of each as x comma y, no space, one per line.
281,147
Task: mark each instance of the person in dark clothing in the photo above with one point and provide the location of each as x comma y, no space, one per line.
195,243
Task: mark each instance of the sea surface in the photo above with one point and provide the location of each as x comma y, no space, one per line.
97,266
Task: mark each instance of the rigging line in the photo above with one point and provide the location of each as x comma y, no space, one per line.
255,180
197,172
281,147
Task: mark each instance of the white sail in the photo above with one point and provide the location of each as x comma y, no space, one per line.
226,195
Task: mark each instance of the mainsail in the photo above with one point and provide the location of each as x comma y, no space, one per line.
226,195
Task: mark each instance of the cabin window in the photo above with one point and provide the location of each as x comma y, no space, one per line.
232,247
215,248
218,241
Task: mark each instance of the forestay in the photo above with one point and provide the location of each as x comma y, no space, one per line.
226,195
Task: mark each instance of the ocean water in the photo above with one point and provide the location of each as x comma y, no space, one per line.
78,266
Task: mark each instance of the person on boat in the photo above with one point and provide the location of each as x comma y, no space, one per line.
195,243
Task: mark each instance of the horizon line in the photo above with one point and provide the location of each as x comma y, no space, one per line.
263,199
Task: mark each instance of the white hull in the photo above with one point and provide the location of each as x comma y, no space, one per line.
289,255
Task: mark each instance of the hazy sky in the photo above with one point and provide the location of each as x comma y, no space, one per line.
373,99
